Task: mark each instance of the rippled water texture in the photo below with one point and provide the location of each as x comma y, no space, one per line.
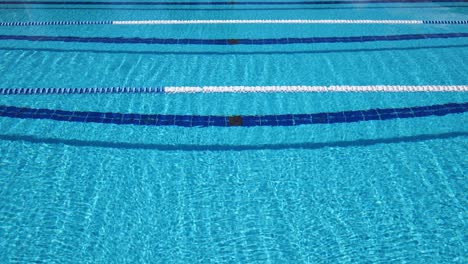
375,191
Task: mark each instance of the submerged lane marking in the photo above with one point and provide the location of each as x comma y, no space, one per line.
234,120
273,41
238,89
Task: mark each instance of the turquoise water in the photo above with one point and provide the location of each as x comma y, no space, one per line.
369,192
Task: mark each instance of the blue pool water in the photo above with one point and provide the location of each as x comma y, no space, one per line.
383,190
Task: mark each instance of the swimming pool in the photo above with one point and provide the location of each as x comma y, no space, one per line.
239,131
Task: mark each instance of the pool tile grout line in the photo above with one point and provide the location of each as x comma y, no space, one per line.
234,120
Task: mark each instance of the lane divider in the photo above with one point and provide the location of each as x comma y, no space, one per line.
274,41
231,21
265,21
333,88
238,89
54,23
218,3
234,120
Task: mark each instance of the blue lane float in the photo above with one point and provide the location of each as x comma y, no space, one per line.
53,23
274,41
89,90
235,120
218,3
445,22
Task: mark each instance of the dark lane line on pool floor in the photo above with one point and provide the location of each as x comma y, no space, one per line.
275,41
234,120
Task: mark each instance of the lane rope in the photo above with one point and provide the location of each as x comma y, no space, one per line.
231,21
237,89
